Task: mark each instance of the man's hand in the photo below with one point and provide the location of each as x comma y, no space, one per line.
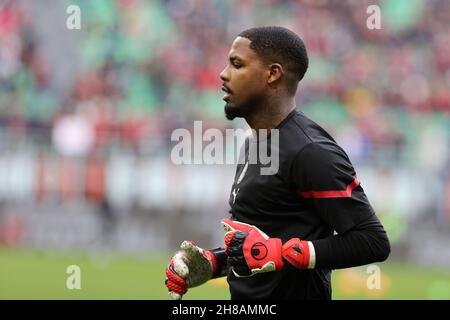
189,267
251,251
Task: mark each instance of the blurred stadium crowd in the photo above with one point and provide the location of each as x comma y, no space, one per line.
86,115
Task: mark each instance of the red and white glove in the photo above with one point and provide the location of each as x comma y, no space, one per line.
190,267
251,251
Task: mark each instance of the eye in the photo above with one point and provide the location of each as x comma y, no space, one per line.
236,65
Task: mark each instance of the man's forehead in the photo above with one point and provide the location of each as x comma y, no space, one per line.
241,48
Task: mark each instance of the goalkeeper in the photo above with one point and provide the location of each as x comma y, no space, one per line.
288,230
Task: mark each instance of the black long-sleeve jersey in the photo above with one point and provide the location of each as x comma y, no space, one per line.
314,193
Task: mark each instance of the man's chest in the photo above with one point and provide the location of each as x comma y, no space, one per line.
252,191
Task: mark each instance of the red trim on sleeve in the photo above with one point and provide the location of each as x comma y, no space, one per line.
347,193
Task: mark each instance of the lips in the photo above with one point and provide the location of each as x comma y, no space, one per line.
227,92
225,88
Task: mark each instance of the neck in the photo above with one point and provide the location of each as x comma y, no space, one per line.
271,113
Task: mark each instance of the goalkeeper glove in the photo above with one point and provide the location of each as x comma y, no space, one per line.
251,251
191,267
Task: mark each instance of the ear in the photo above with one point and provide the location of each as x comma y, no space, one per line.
275,72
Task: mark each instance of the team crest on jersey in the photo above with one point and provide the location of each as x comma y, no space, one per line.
241,176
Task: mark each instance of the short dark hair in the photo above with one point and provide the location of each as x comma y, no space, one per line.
278,44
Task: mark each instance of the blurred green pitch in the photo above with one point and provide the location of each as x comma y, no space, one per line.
26,274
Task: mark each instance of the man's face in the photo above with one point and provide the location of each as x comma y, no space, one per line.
243,80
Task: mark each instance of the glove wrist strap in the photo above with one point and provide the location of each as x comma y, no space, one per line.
299,253
218,258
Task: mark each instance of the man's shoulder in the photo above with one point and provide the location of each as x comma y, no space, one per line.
301,131
317,147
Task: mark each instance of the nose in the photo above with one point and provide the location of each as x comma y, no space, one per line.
224,75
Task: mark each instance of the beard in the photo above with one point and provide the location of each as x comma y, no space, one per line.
232,112
243,110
